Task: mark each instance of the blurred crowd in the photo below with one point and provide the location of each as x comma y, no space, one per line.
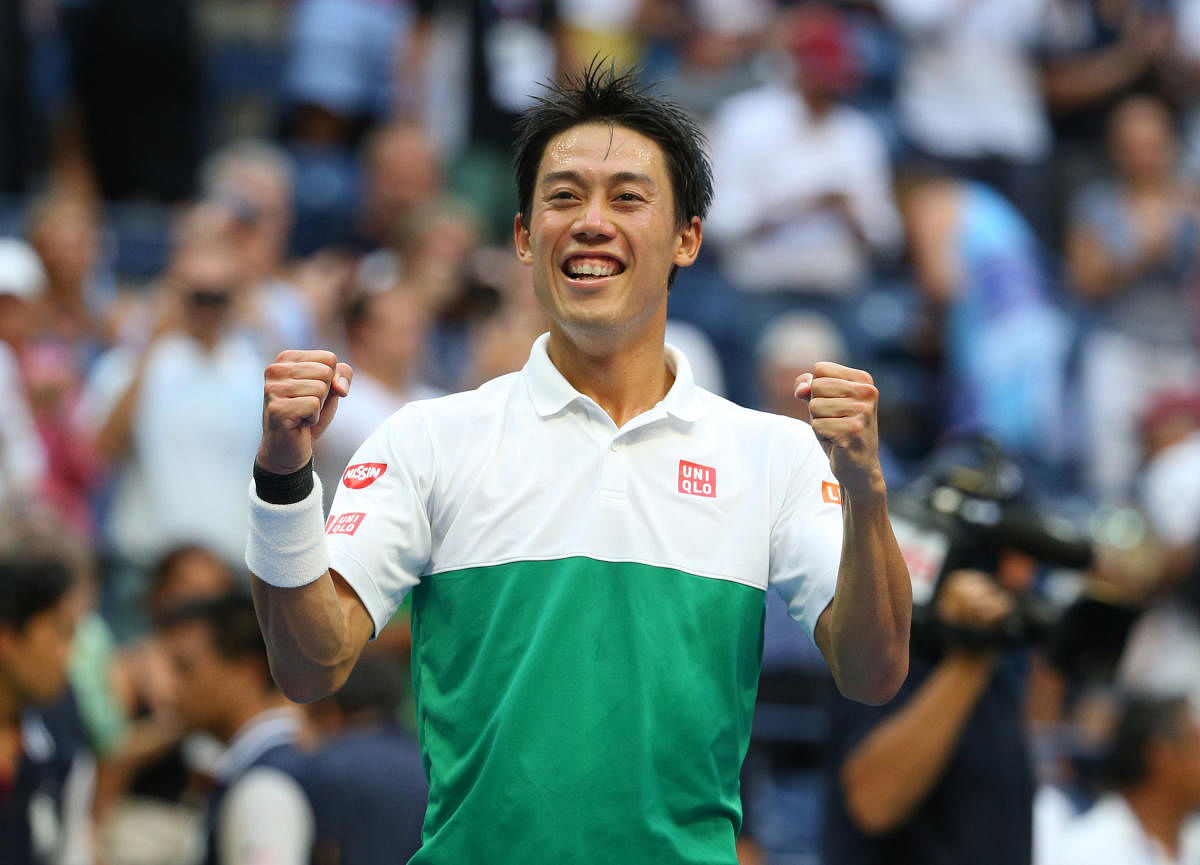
991,205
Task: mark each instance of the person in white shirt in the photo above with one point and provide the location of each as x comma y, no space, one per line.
1153,766
803,195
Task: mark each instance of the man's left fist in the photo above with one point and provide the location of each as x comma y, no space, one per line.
844,404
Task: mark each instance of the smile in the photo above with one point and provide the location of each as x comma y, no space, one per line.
591,267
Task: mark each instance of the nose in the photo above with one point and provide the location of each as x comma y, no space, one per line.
593,221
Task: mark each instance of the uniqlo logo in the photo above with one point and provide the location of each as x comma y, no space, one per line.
831,493
697,480
363,474
343,524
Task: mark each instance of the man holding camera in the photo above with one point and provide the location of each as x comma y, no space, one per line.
942,774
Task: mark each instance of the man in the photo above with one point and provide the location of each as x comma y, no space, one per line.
904,785
365,780
148,404
588,540
46,773
1154,767
257,812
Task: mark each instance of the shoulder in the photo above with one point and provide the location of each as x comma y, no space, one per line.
1103,833
755,431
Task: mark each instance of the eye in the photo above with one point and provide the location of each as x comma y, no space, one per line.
561,195
629,196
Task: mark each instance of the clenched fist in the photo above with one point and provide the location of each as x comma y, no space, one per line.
844,403
300,395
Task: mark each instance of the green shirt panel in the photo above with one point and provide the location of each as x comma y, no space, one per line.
576,710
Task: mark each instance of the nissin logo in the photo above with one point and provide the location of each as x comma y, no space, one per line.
363,474
697,480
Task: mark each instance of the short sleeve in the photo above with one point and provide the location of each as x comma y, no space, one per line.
378,533
806,537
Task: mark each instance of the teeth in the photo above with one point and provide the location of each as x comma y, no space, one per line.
591,269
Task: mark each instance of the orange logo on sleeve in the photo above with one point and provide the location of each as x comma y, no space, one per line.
831,493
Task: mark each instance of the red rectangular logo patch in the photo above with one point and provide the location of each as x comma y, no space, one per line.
697,480
343,524
831,493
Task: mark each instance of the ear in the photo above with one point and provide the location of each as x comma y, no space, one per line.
688,242
521,240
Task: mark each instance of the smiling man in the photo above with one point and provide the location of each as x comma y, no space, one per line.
587,541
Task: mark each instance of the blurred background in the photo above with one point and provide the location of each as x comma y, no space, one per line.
991,205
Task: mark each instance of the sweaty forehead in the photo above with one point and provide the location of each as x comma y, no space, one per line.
603,147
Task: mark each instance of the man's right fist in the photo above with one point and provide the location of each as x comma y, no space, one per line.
300,395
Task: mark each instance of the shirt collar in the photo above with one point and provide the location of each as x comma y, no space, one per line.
551,392
257,736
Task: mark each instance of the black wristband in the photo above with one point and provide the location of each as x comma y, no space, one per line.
283,489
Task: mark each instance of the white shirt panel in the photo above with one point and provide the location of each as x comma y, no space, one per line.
462,470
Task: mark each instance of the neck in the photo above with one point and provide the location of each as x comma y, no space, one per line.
246,711
624,381
394,379
818,103
1160,816
1153,184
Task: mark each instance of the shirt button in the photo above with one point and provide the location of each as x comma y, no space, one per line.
614,447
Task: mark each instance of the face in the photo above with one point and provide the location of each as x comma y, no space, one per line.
208,283
35,658
1142,141
602,236
205,687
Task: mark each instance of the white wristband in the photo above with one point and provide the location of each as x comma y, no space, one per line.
286,546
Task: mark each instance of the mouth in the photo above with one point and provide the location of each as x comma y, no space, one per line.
593,268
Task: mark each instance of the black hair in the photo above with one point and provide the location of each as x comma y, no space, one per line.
30,584
374,687
231,621
1143,720
599,95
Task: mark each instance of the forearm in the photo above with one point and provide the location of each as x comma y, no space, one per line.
1078,82
313,637
887,777
871,613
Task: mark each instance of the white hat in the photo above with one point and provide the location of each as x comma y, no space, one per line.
21,271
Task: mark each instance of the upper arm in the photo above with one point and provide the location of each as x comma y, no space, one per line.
359,625
806,537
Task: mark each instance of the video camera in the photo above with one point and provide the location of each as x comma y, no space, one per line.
968,506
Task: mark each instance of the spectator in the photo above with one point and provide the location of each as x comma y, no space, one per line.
366,780
1169,485
969,95
252,182
1133,244
22,454
163,414
803,182
1153,767
256,812
386,335
46,774
401,174
344,66
904,785
64,229
1002,342
1096,53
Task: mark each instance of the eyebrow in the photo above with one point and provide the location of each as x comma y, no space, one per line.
619,177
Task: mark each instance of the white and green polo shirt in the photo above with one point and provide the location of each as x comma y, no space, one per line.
587,607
